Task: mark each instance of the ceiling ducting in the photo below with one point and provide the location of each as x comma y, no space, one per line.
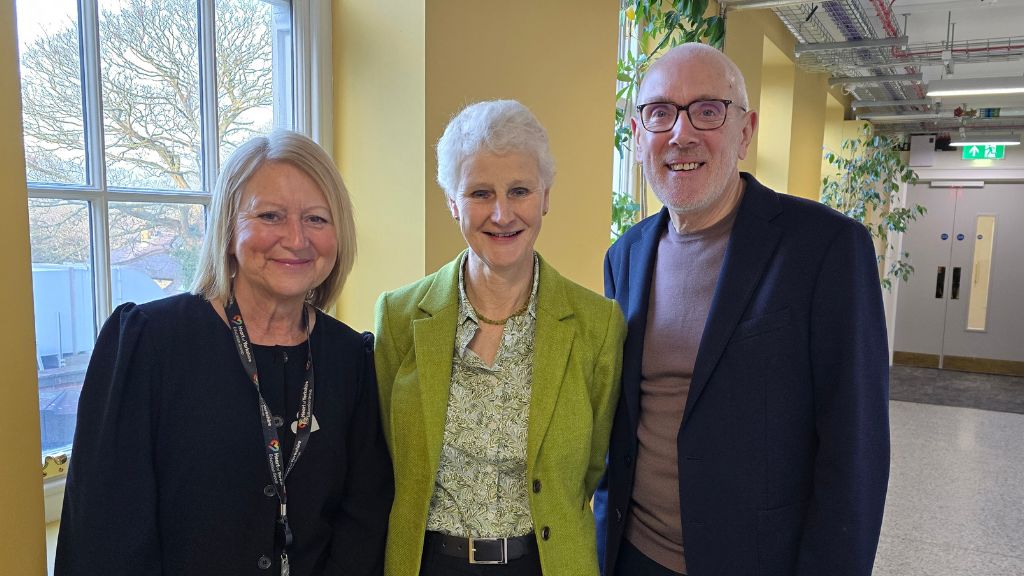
885,53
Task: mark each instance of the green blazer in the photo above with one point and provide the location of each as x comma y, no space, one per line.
575,388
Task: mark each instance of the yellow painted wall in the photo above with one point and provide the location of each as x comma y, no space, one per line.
746,33
378,117
776,117
22,536
744,44
833,133
786,150
557,58
810,95
402,71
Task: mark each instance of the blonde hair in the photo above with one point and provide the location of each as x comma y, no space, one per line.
217,265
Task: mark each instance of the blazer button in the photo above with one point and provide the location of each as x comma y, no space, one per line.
629,460
618,515
269,491
264,562
545,533
536,486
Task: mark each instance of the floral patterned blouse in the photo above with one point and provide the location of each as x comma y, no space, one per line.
481,488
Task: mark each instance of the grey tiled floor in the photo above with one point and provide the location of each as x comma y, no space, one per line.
950,388
956,493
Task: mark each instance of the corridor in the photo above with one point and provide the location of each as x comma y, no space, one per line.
956,490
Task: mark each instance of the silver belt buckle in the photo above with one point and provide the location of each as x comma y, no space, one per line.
472,550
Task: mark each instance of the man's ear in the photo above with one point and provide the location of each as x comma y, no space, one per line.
749,126
637,147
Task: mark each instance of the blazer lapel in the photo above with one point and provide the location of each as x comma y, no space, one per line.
642,256
551,348
434,342
751,246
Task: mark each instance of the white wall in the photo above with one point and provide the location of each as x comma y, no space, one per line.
950,166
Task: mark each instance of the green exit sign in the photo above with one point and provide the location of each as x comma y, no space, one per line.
984,152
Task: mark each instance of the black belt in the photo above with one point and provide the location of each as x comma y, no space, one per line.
482,550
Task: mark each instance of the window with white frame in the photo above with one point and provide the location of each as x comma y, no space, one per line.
629,204
128,107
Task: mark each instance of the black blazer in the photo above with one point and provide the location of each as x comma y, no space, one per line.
169,474
784,448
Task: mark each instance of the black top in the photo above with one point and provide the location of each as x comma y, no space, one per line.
281,377
169,473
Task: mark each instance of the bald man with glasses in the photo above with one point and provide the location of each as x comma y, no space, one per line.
752,434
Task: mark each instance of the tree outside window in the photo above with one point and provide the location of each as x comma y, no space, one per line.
120,105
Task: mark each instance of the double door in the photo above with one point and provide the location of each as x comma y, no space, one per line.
963,308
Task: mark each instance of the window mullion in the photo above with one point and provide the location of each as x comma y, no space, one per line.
313,90
210,135
92,97
301,67
321,86
185,197
117,195
95,158
100,226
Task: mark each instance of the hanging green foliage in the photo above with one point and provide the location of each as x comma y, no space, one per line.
870,174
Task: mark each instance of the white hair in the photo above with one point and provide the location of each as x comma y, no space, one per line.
496,126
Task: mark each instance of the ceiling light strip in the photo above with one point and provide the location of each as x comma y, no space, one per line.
980,86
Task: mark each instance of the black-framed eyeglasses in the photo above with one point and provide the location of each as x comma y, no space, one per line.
703,114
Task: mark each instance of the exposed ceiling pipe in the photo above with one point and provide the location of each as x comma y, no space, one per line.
908,117
947,54
877,79
854,26
883,103
884,13
945,123
851,45
755,4
848,20
1012,114
968,50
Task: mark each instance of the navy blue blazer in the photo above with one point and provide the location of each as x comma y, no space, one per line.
784,445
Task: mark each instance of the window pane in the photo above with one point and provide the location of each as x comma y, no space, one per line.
981,273
254,70
65,327
150,66
153,249
51,91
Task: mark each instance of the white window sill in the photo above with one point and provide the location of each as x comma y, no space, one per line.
53,498
51,544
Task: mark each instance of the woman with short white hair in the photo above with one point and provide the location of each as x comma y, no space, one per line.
498,376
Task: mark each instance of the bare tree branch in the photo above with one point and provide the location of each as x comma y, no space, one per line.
150,82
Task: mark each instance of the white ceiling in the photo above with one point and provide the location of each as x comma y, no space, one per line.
970,20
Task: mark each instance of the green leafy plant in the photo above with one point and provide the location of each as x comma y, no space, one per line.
653,26
624,211
870,173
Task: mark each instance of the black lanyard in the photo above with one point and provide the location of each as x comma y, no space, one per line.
270,438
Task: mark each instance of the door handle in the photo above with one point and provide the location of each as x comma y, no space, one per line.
954,289
940,281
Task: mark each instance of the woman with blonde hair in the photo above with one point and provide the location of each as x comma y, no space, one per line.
201,448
